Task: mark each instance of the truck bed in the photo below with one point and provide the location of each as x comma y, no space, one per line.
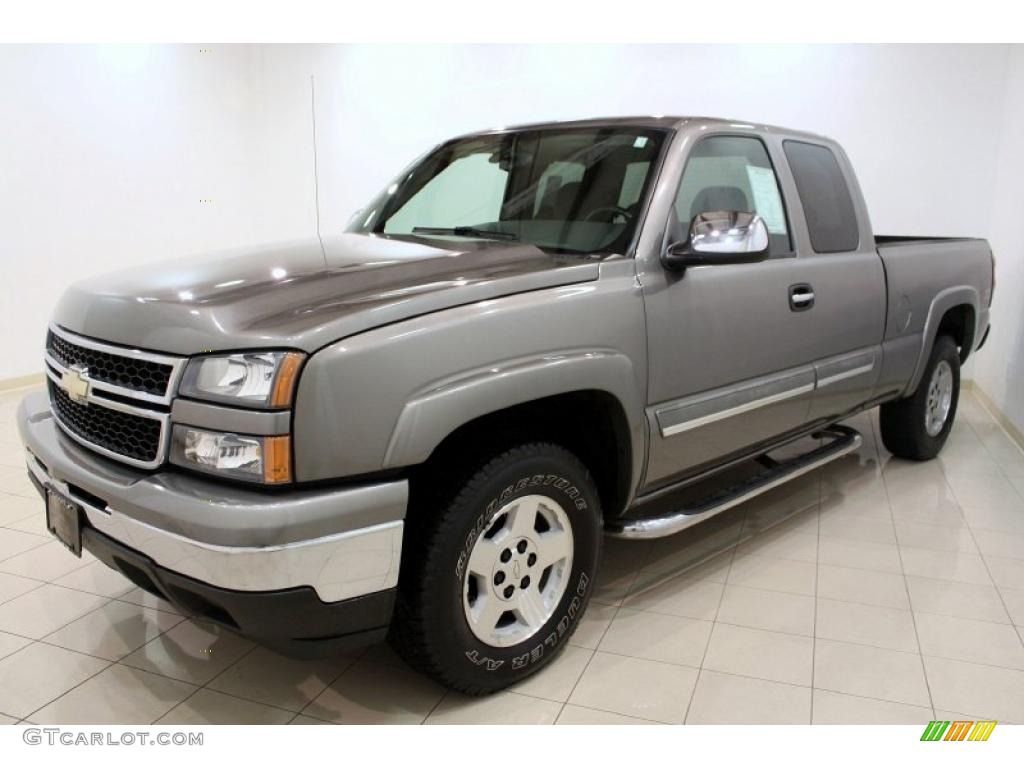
920,239
926,276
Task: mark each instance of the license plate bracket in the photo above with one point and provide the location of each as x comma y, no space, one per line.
64,520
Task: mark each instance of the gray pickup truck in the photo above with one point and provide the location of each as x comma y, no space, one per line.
422,427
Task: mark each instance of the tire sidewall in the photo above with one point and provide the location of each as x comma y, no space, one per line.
556,475
945,349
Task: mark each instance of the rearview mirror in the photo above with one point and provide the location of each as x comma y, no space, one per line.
720,237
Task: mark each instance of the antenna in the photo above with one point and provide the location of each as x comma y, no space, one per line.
316,176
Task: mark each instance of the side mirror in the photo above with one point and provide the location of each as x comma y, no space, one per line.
720,237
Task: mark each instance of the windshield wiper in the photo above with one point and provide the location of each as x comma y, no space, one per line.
488,234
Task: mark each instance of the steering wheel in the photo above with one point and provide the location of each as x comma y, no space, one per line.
615,210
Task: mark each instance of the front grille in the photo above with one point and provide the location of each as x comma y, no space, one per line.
122,400
120,370
126,434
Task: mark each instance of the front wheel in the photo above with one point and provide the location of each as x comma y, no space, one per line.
917,427
493,585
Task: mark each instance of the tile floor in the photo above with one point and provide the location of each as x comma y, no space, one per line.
873,591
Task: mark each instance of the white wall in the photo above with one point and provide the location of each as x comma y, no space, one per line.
1000,366
902,112
111,150
105,154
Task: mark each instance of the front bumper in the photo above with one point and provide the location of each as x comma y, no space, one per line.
285,568
293,621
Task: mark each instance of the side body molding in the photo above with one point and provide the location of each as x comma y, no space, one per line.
708,407
435,412
943,301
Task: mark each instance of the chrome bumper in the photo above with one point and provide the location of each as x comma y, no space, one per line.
350,540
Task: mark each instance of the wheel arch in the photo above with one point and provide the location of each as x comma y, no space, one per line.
590,423
953,311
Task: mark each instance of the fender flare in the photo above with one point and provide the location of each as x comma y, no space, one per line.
434,412
942,303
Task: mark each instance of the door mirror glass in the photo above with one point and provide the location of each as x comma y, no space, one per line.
720,237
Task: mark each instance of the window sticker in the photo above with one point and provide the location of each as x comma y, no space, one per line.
767,200
640,142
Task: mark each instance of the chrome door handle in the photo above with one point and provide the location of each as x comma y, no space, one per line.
801,297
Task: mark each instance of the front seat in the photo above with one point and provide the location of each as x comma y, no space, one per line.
558,204
719,199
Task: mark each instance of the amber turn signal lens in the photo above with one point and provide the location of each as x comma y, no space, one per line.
277,460
284,383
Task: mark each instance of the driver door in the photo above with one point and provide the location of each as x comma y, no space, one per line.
730,364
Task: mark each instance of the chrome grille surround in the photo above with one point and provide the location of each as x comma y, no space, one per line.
106,395
177,365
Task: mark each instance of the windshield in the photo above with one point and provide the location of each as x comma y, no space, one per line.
571,189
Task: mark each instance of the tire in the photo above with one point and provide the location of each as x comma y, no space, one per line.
510,518
911,427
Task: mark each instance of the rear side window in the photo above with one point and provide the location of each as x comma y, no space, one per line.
828,207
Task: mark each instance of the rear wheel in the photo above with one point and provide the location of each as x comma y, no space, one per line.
494,584
917,426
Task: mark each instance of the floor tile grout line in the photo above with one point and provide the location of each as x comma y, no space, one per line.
437,704
43,542
119,598
814,622
714,621
775,682
205,687
844,641
818,688
998,424
669,576
871,544
38,586
970,528
64,626
635,579
167,711
121,661
351,662
9,526
124,663
108,599
319,720
906,586
1008,623
804,594
44,641
69,690
999,593
620,714
597,644
32,494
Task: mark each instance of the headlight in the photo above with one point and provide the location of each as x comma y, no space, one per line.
257,379
245,457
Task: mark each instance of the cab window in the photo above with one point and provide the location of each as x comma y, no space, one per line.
576,190
732,173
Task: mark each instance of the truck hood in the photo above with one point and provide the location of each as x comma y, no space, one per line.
298,295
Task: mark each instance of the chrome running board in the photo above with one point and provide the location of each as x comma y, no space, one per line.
844,440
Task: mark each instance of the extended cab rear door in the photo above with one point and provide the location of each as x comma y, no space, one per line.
838,261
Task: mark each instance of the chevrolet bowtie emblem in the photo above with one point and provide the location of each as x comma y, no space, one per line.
75,381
